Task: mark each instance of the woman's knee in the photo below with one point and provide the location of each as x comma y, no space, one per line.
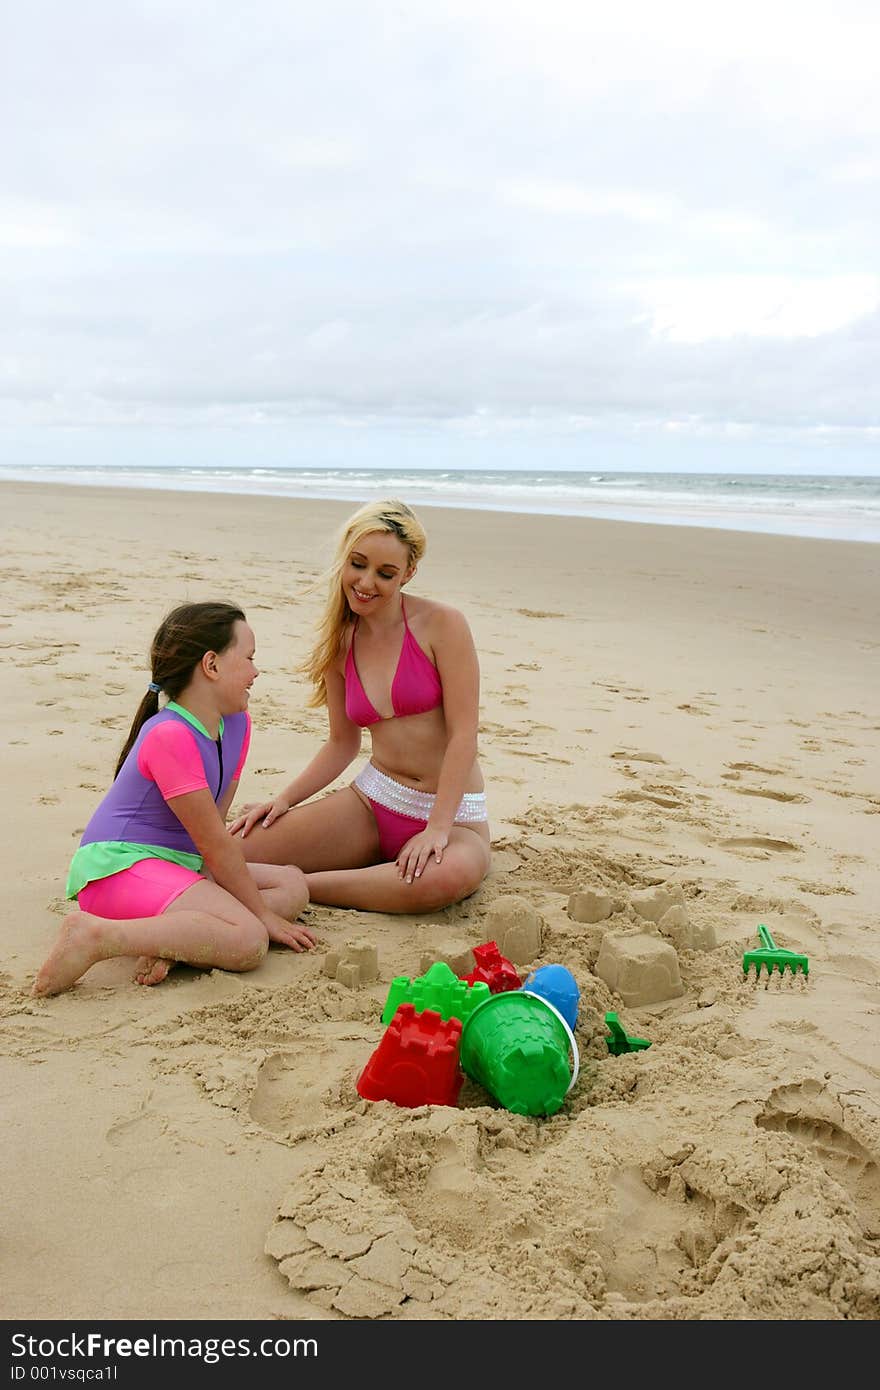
469,868
455,878
292,882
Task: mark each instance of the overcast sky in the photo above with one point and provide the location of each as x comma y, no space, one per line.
544,234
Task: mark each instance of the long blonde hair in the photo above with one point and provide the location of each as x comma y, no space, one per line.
391,516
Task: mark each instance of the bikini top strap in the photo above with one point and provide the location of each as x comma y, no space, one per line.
403,611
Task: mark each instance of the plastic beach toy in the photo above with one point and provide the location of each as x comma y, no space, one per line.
772,957
493,969
521,1049
618,1040
416,1062
559,987
439,989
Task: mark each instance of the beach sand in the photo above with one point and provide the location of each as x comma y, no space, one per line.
672,718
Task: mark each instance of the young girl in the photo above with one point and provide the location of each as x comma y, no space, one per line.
156,874
411,831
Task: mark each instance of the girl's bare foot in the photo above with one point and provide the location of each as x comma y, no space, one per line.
151,970
78,947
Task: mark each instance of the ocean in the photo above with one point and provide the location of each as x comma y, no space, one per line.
824,506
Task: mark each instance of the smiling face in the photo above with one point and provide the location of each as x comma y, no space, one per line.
377,565
236,671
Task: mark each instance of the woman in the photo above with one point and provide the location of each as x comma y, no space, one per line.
411,831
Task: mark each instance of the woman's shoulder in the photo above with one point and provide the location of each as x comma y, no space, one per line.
434,620
337,665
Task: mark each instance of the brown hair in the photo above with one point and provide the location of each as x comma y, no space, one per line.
181,640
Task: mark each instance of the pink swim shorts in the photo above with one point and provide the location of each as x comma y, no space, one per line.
143,890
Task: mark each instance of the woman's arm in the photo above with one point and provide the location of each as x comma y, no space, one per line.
340,749
456,659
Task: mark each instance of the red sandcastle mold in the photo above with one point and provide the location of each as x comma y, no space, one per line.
416,1062
493,969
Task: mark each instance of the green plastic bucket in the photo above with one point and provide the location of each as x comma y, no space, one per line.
522,1050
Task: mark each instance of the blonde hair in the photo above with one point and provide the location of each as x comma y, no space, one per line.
391,516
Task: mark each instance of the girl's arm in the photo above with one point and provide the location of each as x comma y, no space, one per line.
456,659
200,817
227,799
341,748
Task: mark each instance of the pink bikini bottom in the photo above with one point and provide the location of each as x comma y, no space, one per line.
394,830
144,889
402,811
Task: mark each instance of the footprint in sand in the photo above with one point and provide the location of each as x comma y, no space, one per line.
769,795
540,757
669,802
825,890
678,1240
634,757
816,1118
130,1130
857,968
760,842
285,1104
755,767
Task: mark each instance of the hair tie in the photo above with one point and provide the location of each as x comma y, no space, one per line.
154,687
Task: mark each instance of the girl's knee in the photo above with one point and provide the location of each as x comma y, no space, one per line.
250,949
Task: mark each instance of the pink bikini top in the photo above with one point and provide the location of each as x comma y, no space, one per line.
416,686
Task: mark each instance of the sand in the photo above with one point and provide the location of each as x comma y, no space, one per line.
673,719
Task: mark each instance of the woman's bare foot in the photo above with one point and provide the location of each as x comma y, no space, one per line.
151,970
78,947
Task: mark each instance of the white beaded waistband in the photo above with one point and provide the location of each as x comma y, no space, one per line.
407,801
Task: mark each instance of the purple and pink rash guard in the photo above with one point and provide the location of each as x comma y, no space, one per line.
172,754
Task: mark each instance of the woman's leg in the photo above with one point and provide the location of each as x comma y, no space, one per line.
335,832
203,926
379,888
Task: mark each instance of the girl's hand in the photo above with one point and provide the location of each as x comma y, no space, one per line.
418,851
291,934
265,811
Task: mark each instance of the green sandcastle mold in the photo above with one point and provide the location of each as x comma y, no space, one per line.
439,989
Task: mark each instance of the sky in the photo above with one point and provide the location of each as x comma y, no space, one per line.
465,234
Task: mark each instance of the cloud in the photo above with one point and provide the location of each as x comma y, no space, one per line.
491,219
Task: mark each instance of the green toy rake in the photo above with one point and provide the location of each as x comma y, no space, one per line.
773,957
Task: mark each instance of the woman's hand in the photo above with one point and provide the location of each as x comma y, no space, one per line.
417,852
265,811
291,934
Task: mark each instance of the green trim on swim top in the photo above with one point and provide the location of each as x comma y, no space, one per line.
106,857
102,858
191,719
